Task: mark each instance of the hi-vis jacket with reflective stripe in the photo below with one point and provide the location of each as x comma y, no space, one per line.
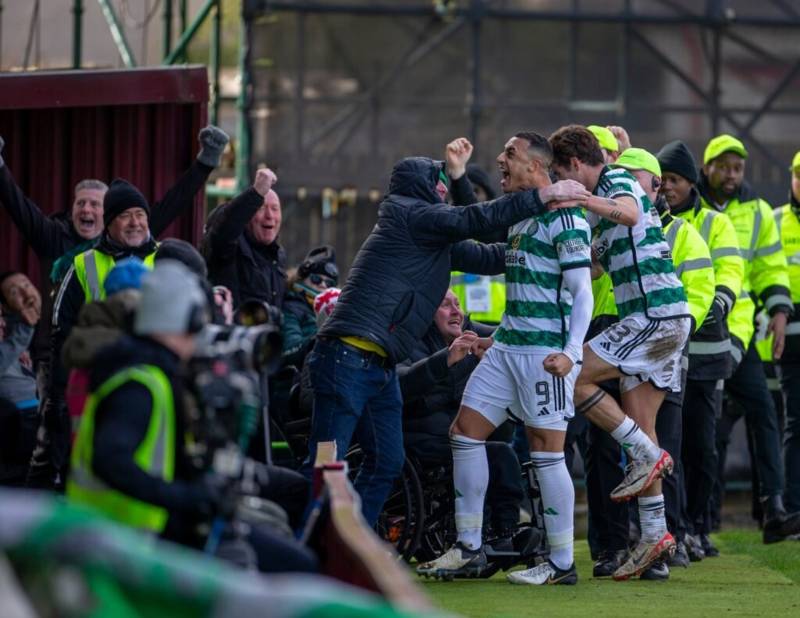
766,277
692,261
788,223
709,346
92,268
483,297
155,455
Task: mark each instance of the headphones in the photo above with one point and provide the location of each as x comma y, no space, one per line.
197,319
199,315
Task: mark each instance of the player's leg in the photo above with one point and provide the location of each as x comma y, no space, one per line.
546,411
643,402
602,410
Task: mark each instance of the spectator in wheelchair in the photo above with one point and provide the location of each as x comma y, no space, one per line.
432,381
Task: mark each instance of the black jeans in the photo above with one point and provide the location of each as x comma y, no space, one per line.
748,387
789,373
669,433
702,404
504,494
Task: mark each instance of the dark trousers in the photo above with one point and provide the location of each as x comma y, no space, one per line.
669,433
504,494
355,395
609,528
702,404
790,385
748,387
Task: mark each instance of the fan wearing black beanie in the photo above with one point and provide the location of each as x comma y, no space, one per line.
710,361
126,233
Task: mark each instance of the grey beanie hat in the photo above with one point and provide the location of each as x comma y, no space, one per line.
171,295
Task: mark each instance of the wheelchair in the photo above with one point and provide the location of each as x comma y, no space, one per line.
418,518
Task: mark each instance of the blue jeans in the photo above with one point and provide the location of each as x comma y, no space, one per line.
354,395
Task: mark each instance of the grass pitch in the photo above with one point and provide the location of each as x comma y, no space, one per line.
747,579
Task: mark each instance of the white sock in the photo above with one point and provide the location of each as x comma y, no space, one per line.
558,502
470,479
635,441
651,517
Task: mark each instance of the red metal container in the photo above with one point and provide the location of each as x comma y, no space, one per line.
62,127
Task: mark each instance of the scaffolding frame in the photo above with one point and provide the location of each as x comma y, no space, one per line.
716,21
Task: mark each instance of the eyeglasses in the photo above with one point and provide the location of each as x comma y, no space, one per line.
320,279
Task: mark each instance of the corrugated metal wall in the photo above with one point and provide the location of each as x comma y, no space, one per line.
60,128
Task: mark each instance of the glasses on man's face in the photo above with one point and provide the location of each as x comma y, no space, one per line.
322,280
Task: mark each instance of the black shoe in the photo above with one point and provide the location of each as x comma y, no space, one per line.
708,546
781,526
694,547
501,544
680,558
608,561
658,571
458,561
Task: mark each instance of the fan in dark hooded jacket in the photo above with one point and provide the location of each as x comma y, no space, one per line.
402,270
397,281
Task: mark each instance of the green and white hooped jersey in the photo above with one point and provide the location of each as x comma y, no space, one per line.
538,304
638,258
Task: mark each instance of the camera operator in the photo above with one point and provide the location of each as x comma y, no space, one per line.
130,458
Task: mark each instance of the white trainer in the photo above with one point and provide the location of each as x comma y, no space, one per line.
545,574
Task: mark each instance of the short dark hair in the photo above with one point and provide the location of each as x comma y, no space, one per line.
537,145
576,141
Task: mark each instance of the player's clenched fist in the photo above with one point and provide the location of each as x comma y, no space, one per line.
265,180
557,364
456,155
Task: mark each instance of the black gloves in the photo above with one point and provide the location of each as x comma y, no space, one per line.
212,142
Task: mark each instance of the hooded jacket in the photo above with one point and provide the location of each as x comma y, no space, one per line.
402,271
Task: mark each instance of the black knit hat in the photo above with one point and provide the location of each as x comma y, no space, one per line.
676,157
479,177
121,196
182,251
321,261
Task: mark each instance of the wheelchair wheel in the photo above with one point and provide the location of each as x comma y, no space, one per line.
402,520
440,524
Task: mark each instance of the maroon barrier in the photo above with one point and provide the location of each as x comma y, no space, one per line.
62,127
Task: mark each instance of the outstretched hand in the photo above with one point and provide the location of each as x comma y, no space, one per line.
456,156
